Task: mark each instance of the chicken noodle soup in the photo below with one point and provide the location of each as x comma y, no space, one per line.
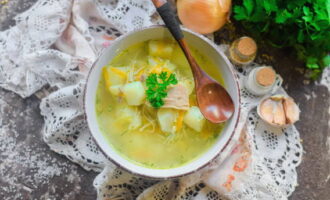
159,127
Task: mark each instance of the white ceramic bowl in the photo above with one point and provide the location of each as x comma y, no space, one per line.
157,32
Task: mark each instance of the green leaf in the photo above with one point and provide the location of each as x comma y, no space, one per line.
306,10
259,13
163,76
327,5
296,13
294,3
151,80
315,26
312,63
301,36
321,13
270,5
308,18
240,13
315,36
326,60
172,79
282,16
248,5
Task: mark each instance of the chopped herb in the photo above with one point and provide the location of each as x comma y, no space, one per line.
157,87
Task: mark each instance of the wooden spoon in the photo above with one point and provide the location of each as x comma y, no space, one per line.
213,100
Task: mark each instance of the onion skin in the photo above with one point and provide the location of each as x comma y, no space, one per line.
203,16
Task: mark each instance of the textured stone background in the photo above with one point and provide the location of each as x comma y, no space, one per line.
30,170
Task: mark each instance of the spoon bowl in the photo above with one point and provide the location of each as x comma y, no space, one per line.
215,103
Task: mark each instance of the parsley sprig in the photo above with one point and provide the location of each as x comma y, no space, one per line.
157,87
303,25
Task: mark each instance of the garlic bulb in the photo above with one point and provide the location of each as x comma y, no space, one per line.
279,110
204,16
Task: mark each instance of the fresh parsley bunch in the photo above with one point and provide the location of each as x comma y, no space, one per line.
157,87
301,24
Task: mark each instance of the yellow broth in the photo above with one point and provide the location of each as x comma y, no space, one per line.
147,145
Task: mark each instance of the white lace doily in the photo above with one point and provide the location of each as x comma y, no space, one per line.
55,42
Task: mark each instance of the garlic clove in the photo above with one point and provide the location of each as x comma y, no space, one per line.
279,114
278,97
291,109
266,110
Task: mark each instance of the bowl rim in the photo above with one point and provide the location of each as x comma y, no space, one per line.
234,75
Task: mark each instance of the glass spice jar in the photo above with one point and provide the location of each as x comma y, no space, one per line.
243,51
263,80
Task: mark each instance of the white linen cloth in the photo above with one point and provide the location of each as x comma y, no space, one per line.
56,41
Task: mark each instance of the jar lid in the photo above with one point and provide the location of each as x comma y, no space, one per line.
265,76
246,46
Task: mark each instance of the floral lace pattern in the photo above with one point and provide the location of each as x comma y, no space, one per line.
55,42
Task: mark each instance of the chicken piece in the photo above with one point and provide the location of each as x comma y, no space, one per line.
177,98
167,118
291,110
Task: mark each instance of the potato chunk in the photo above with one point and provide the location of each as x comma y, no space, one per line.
134,93
114,76
128,118
158,65
170,66
161,49
194,119
167,118
155,61
116,90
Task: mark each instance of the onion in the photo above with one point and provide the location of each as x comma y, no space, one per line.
204,16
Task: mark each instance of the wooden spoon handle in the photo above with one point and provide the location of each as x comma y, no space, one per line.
158,3
167,14
198,73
